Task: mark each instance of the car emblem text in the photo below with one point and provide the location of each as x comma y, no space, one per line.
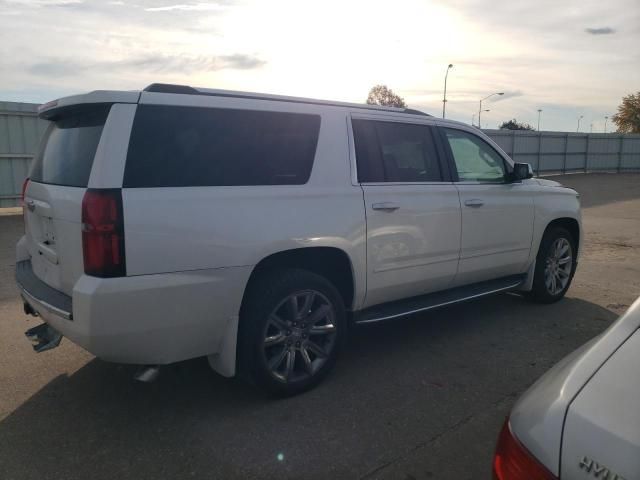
598,470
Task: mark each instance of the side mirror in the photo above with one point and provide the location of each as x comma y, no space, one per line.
522,171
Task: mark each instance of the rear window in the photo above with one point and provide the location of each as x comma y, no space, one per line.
66,152
395,152
192,146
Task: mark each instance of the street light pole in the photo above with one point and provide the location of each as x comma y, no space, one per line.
579,118
444,98
605,124
480,109
539,112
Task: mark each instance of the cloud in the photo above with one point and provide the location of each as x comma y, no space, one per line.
43,3
241,61
184,64
60,68
499,98
197,7
600,31
155,63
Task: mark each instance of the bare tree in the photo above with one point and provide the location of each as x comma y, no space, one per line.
383,95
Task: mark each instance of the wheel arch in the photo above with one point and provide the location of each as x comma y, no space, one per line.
572,225
569,223
332,263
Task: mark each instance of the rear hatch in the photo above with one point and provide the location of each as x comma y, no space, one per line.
602,427
53,197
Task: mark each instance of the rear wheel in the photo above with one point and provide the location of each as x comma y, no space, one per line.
555,266
292,328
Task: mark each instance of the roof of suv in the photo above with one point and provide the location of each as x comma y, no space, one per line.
50,110
184,89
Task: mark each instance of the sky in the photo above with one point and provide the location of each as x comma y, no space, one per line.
567,58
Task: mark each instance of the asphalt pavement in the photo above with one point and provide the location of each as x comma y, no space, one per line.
419,398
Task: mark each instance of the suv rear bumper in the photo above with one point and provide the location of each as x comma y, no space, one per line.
147,319
40,295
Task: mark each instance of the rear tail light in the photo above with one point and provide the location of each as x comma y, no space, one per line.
103,233
514,462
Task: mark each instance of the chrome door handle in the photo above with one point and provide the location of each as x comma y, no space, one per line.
386,206
473,203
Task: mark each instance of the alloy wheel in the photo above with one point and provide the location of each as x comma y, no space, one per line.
299,336
558,265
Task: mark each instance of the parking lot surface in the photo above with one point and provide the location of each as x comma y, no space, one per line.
419,398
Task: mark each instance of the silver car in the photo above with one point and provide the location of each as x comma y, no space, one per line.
581,420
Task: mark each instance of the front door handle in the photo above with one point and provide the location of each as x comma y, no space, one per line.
385,206
473,203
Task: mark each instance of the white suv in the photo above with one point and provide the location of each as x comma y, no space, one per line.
177,222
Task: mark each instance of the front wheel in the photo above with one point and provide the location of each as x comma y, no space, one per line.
555,266
292,329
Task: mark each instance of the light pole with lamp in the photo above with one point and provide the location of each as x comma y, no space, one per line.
539,112
480,109
579,118
444,98
605,123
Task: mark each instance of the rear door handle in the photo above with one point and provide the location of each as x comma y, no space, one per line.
385,206
473,203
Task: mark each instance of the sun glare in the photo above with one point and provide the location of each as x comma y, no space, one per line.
341,47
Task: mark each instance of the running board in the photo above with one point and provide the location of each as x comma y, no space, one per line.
412,305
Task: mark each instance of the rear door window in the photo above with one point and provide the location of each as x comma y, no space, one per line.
395,152
69,145
192,146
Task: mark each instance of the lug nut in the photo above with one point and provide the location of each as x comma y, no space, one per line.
295,324
297,344
288,332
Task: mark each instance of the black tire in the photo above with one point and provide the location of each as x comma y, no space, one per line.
542,291
267,313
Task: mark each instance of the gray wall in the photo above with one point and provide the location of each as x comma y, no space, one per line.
20,132
550,152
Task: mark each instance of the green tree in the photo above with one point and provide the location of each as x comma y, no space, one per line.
515,125
628,117
383,95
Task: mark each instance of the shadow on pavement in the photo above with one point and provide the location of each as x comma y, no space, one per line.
397,385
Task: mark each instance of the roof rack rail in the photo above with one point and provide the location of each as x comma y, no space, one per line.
170,88
185,89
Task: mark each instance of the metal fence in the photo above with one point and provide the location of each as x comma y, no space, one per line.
559,152
547,152
20,132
